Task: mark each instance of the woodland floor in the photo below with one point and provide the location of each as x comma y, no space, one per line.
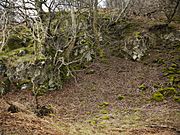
91,106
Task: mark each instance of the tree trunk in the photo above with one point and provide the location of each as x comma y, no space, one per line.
71,44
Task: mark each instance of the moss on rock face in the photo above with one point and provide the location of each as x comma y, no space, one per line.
19,37
14,42
158,97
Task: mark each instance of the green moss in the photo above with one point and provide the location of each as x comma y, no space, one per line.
176,80
120,97
104,112
105,117
171,70
14,42
104,104
101,53
178,92
19,37
167,92
158,97
177,99
137,34
93,121
88,113
93,88
171,79
13,58
102,124
142,87
24,81
174,65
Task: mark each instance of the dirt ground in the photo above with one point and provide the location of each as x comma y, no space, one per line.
91,105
